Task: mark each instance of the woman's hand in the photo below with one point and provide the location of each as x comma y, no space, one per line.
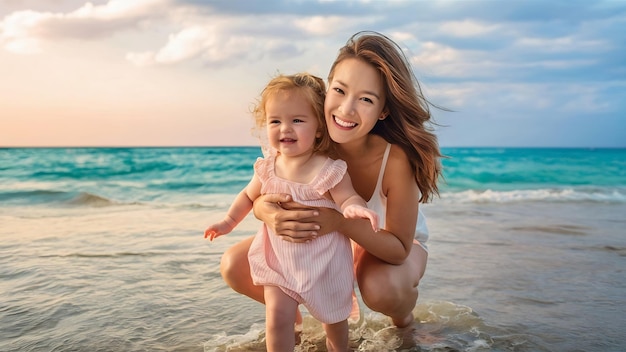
292,221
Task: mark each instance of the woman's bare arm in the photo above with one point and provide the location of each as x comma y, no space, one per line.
292,221
392,244
382,244
298,223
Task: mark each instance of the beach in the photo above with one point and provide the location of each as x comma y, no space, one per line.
102,249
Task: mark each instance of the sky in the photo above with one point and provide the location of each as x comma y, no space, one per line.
186,72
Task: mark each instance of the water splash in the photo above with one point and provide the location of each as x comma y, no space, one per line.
439,326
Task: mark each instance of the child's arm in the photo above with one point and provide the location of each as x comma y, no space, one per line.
237,212
351,204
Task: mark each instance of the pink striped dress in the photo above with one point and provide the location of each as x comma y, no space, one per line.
318,274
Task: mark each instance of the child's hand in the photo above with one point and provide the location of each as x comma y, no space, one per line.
211,234
216,230
360,212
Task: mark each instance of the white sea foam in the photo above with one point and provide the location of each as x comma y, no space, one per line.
603,195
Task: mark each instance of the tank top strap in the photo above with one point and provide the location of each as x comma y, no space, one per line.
381,173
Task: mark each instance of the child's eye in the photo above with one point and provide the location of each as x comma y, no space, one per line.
298,120
274,122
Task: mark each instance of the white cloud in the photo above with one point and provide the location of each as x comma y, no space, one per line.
522,99
185,44
561,44
434,54
446,61
327,25
402,36
467,28
24,32
116,9
17,32
212,44
219,39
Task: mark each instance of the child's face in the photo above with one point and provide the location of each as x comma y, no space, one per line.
291,123
354,102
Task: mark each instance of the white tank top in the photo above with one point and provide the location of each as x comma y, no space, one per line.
378,203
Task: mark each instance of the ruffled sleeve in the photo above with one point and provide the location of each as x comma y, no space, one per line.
330,176
261,168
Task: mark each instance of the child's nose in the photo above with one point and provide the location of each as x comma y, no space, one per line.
285,127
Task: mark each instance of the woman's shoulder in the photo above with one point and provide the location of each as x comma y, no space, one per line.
397,154
399,176
398,162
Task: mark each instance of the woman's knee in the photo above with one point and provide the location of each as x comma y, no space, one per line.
384,295
390,288
227,263
234,265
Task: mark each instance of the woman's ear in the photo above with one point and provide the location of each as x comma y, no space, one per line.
384,115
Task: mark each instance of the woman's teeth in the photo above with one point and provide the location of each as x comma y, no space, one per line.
343,123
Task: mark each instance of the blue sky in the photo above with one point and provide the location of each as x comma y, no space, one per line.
173,72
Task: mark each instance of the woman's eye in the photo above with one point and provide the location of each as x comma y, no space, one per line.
338,90
368,100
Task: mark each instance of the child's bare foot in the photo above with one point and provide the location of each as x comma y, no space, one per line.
298,334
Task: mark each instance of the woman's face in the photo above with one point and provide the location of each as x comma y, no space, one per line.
354,102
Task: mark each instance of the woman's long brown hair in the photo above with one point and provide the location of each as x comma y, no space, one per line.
409,119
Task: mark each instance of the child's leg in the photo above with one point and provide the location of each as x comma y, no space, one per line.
337,336
280,316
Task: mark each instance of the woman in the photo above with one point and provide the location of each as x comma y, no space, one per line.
378,118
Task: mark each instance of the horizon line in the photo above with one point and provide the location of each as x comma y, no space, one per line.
258,146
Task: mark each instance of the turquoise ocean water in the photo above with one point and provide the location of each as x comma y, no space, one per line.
101,249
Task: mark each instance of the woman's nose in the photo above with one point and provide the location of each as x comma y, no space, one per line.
346,107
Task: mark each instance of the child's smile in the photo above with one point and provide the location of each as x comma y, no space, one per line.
291,123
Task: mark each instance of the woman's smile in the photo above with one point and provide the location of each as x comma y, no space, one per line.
344,123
